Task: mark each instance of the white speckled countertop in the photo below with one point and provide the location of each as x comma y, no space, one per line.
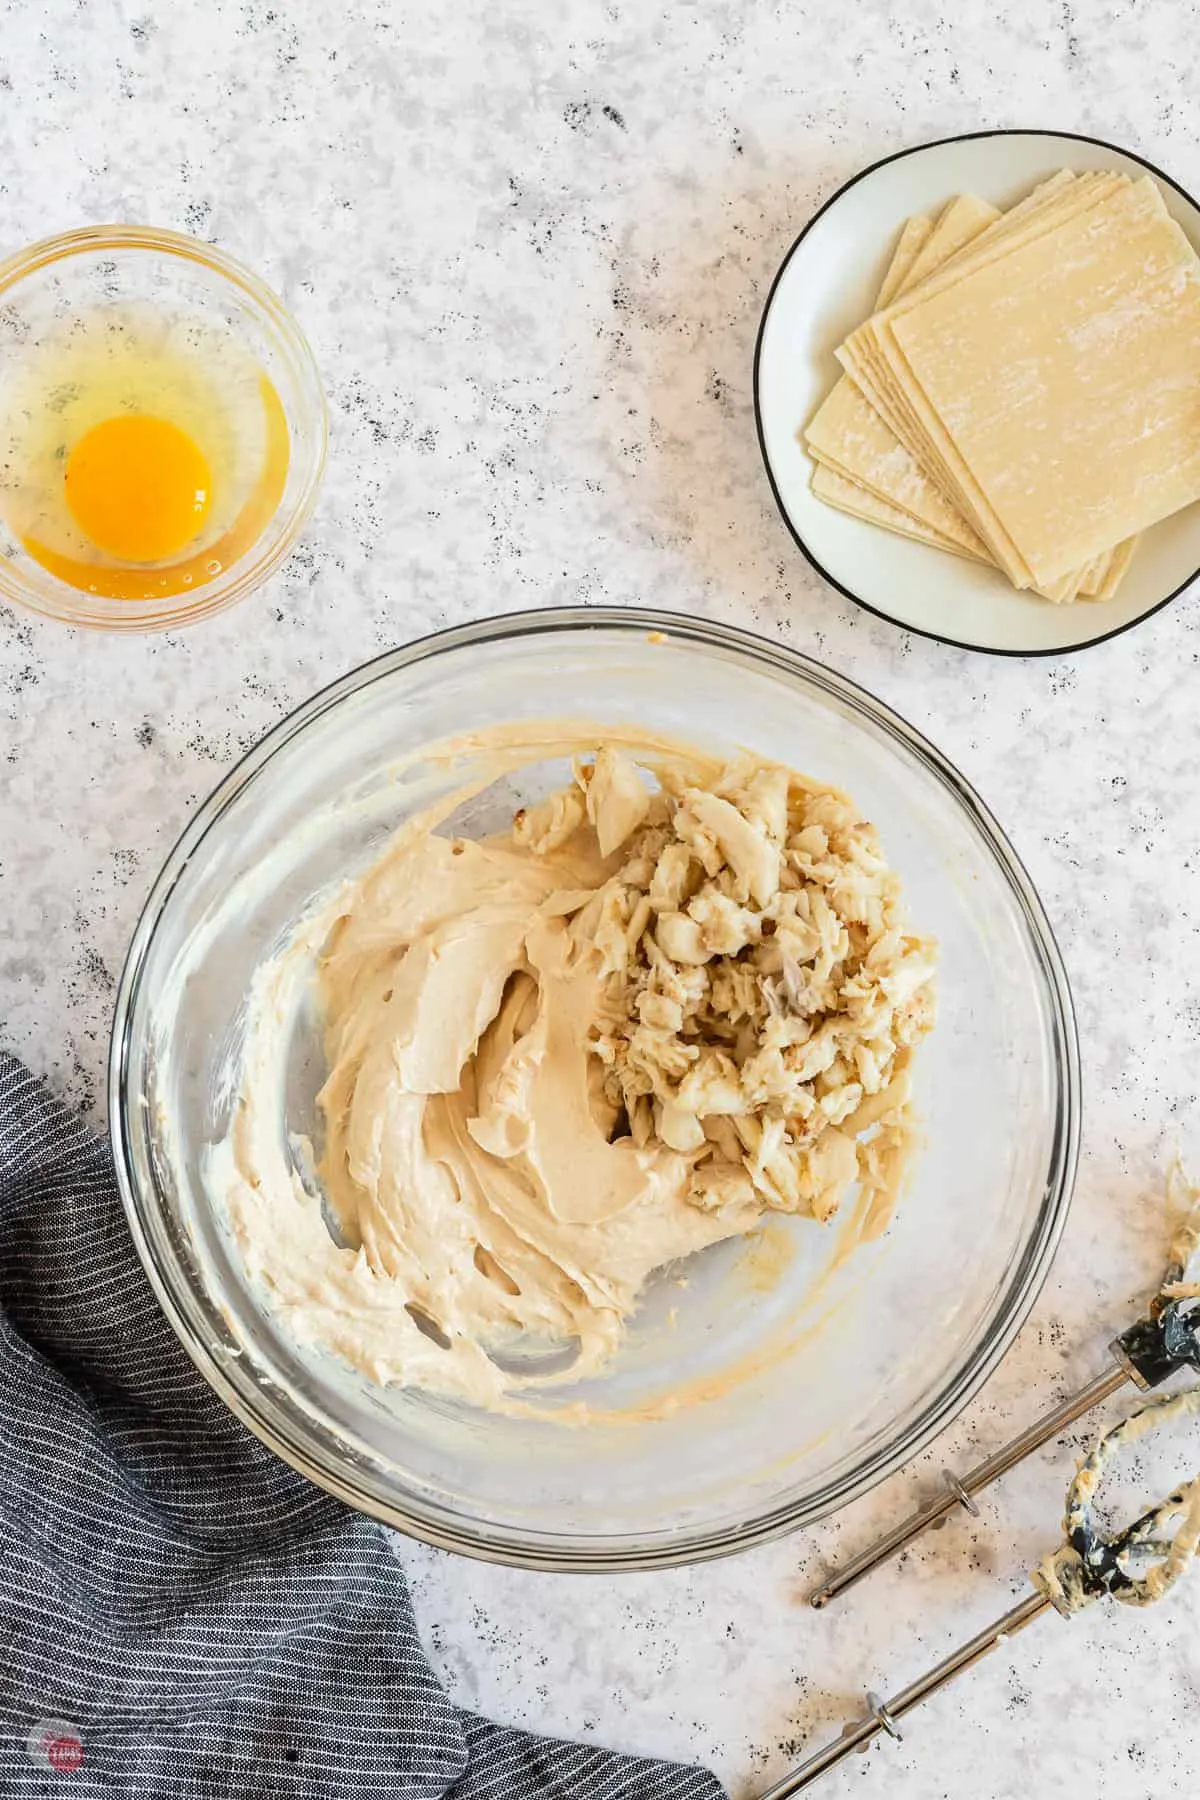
530,243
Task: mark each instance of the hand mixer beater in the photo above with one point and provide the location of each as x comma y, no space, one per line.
1136,1565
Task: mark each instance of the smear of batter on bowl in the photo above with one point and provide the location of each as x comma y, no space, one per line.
680,995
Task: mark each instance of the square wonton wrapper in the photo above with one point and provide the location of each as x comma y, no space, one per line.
865,354
865,471
1061,382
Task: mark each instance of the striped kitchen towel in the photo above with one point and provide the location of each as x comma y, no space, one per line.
180,1613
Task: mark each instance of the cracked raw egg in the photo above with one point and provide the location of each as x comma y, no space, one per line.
142,454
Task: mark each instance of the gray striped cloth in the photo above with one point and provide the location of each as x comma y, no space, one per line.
181,1614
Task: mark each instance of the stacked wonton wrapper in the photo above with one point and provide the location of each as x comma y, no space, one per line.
1027,393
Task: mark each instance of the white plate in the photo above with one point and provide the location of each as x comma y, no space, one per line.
827,286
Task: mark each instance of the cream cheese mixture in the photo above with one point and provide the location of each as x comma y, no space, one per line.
679,995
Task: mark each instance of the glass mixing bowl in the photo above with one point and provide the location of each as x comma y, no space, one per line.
178,288
802,1381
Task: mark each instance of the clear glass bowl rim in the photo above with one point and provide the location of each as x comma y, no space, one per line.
215,596
543,1550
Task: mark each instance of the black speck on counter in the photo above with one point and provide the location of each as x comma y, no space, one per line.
1069,32
221,748
580,113
94,970
83,1084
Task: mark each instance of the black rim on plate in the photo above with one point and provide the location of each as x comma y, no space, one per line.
963,137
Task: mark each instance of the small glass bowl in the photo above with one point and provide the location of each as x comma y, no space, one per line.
103,265
764,1383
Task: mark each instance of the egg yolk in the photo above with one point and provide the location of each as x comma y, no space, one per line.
138,487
